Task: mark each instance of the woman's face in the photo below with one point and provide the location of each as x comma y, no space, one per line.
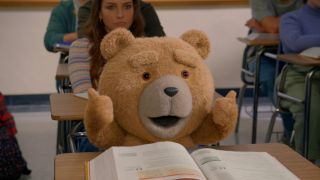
116,13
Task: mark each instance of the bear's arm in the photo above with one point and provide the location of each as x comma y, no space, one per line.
219,123
99,122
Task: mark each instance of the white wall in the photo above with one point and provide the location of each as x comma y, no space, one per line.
27,68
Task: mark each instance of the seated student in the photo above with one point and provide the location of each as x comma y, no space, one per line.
83,71
85,59
62,24
12,163
300,30
265,19
152,23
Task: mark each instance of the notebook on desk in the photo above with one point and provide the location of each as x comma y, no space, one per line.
83,95
262,36
313,52
62,46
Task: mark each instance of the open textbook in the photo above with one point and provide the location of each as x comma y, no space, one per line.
171,161
313,52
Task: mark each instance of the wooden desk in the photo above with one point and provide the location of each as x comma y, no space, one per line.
67,107
70,166
258,42
299,60
62,72
314,65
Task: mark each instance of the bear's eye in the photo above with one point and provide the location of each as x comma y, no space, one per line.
185,74
146,76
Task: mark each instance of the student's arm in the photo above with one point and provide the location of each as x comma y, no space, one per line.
79,66
270,24
292,36
260,9
83,16
254,24
153,26
70,37
263,16
57,30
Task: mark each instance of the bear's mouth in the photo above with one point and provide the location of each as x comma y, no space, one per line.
165,121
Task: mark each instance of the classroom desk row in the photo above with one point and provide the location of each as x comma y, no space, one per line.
288,58
71,166
67,106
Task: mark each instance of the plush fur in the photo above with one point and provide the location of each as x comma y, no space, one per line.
157,89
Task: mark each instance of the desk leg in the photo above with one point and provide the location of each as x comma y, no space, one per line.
59,148
307,106
256,97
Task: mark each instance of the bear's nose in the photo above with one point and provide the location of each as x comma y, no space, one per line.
171,91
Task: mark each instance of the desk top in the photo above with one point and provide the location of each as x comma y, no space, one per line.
62,71
259,42
70,166
298,59
67,107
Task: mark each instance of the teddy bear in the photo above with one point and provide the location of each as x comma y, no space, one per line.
157,89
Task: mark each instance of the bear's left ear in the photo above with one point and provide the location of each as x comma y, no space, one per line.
114,41
198,40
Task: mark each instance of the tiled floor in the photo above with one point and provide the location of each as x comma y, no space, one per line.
37,136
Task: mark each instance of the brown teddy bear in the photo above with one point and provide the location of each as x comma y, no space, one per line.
157,89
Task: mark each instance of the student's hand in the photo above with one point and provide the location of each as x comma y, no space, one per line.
70,37
254,24
271,24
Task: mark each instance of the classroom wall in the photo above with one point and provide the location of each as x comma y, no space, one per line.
27,68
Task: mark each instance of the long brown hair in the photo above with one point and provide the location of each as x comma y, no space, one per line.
95,30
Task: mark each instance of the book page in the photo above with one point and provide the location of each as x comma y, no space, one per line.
229,165
313,52
101,167
157,161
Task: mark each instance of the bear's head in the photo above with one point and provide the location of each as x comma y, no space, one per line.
161,88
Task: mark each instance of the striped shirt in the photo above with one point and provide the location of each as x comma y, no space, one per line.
79,65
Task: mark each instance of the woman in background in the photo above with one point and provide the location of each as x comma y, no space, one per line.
85,60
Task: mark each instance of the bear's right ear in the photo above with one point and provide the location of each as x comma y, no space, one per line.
199,40
114,41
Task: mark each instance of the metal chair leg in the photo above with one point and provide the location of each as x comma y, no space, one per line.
271,125
240,102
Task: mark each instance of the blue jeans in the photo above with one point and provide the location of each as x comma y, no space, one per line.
84,145
267,75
